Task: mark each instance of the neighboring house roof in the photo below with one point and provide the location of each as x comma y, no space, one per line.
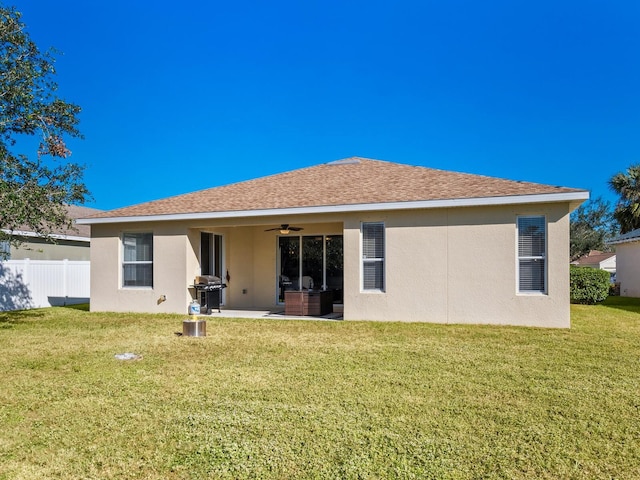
632,236
593,259
79,232
344,185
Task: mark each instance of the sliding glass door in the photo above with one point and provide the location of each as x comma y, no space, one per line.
211,258
310,262
288,265
210,254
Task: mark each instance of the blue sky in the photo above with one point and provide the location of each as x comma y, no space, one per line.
181,96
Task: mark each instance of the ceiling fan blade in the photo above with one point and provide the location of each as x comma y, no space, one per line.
284,226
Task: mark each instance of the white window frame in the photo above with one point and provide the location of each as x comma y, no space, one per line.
124,262
371,260
543,257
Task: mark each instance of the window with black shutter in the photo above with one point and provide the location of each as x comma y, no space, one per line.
373,256
532,254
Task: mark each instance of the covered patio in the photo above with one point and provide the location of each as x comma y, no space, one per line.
276,313
263,267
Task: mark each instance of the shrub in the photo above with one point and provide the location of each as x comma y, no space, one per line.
588,285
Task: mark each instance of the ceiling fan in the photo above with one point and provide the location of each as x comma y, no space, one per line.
285,228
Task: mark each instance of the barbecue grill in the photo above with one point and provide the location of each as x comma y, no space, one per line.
209,292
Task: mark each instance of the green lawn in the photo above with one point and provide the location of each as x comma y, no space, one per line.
305,399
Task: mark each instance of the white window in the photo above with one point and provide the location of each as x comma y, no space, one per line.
373,256
532,254
137,260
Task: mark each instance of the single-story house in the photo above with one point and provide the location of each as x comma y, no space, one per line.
628,263
68,243
596,259
387,241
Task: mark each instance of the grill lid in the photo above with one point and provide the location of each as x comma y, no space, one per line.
207,280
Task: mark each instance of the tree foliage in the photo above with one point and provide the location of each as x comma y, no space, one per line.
627,186
36,180
592,224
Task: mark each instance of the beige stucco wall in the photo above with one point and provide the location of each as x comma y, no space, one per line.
39,249
628,268
173,260
459,266
442,265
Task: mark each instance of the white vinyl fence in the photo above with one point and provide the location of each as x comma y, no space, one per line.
43,283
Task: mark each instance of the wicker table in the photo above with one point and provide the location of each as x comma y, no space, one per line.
308,302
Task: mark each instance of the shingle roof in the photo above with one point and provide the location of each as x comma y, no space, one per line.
594,257
74,212
349,181
632,236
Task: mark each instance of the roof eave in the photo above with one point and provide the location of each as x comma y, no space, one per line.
625,240
56,236
572,197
